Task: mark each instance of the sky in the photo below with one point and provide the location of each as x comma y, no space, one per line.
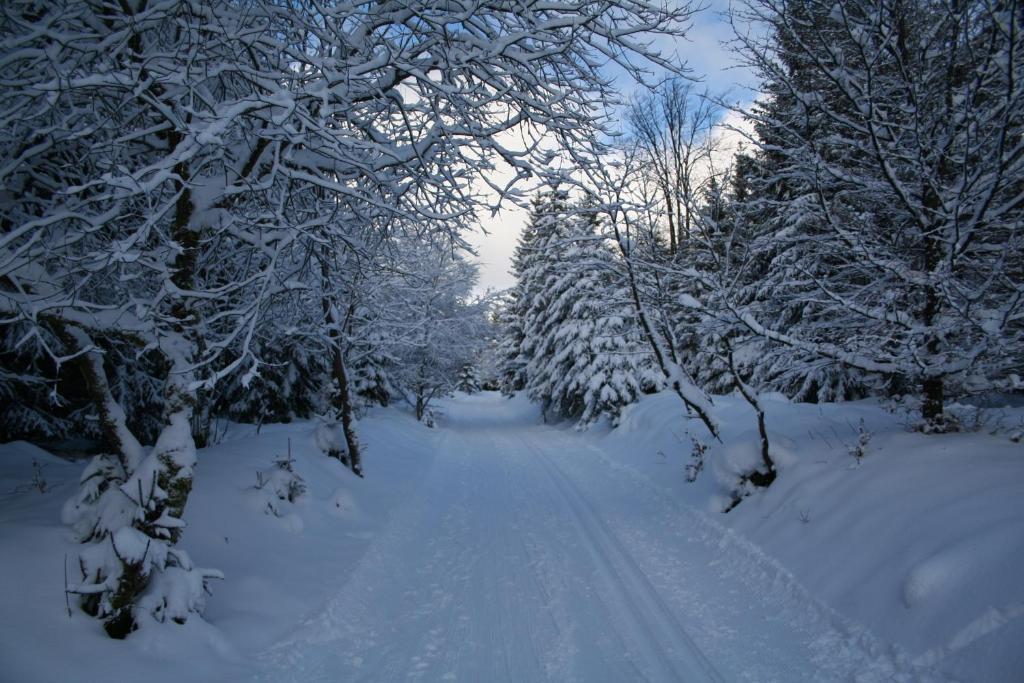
704,52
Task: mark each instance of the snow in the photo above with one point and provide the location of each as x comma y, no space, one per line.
917,542
274,574
496,547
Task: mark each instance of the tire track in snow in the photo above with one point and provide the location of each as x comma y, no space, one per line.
668,646
350,637
834,647
499,615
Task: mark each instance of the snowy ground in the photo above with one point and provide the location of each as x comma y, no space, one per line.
496,548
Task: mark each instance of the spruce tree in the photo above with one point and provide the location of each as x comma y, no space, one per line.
589,360
531,266
886,206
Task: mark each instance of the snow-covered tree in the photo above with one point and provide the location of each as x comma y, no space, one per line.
556,339
672,129
438,329
590,360
371,377
468,379
613,187
532,266
290,384
892,166
490,358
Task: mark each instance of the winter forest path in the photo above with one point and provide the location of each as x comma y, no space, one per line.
524,556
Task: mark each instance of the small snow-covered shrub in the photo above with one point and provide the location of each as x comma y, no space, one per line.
859,449
281,485
178,590
128,562
328,439
939,424
696,464
38,482
129,567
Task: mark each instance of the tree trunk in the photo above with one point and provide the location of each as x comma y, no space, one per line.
932,387
112,419
671,220
345,410
760,478
933,391
201,418
340,372
933,403
672,371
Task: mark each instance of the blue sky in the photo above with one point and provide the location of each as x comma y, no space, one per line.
704,52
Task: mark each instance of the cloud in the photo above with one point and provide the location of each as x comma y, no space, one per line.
705,51
494,250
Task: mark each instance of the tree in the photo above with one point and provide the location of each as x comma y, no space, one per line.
591,360
527,299
438,328
672,127
468,380
610,184
896,131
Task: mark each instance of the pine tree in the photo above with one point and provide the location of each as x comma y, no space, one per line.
371,379
468,381
588,360
888,198
531,267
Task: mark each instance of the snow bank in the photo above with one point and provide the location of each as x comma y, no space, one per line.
280,557
921,541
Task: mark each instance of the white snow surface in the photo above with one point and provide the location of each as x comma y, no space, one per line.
498,548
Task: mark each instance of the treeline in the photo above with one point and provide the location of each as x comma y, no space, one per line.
865,241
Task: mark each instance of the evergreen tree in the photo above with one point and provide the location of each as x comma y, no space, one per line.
588,358
885,206
531,267
468,380
371,379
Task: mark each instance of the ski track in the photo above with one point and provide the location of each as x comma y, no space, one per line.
527,555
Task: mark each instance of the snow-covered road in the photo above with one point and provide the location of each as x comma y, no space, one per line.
524,555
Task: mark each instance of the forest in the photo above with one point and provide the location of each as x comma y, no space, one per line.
219,213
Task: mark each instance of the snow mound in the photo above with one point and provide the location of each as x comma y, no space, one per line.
921,540
342,503
995,554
